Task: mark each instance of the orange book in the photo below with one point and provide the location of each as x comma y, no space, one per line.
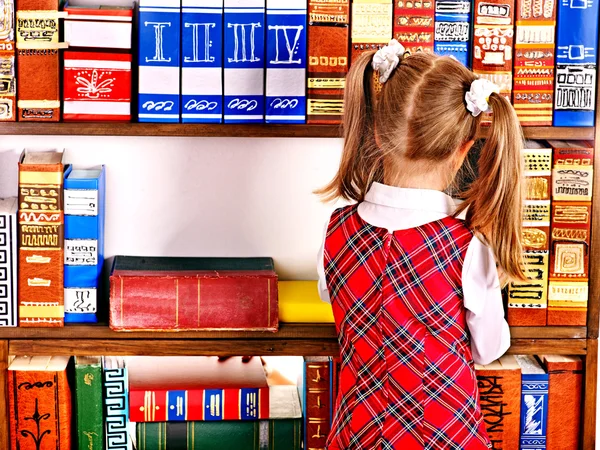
40,403
565,378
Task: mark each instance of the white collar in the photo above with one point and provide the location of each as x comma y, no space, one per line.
409,198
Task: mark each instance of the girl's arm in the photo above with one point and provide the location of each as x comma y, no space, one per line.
322,283
490,335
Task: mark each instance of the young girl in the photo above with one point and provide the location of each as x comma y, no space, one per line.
414,289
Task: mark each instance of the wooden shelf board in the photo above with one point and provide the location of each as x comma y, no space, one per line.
233,130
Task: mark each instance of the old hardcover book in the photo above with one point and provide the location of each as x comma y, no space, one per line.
534,403
196,389
8,262
88,402
84,242
116,403
316,402
299,301
453,29
193,294
499,386
565,380
371,25
576,63
40,403
100,27
534,61
328,58
8,83
41,271
414,25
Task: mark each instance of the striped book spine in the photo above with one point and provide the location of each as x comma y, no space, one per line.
116,402
202,61
159,78
414,25
452,29
7,63
534,404
371,25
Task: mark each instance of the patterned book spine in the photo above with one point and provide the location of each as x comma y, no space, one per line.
84,243
534,410
528,302
534,61
41,271
453,29
286,61
414,25
202,61
317,395
371,25
88,395
576,63
159,77
244,61
7,63
116,402
8,263
328,34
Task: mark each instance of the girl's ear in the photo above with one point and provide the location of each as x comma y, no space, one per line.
464,149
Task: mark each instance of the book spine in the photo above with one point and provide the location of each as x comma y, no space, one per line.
90,417
8,93
230,301
328,57
8,270
38,65
317,420
453,29
112,29
371,26
286,61
116,401
576,63
84,247
534,62
159,65
414,26
244,61
285,434
202,61
40,410
41,233
534,411
528,302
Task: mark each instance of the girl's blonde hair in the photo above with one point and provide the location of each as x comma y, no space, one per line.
420,116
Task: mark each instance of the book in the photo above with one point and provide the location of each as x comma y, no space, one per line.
283,373
286,61
193,294
244,61
159,39
116,403
565,380
414,25
284,434
84,193
328,58
534,403
316,400
41,234
453,29
98,27
202,61
576,63
533,93
370,26
499,386
8,90
299,301
8,262
40,403
196,388
38,65
89,406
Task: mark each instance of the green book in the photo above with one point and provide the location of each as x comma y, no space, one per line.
88,403
274,434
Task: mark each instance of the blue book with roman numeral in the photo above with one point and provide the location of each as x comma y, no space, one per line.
159,69
286,61
201,61
452,29
244,61
534,403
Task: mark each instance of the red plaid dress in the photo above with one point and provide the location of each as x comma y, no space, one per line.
407,379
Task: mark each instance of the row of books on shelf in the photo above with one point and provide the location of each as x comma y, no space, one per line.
282,61
236,403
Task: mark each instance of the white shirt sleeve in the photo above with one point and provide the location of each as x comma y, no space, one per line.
322,283
490,334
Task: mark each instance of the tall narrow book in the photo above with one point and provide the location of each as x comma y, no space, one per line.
84,242
41,234
8,262
89,408
317,399
8,90
371,25
40,403
116,402
453,29
534,403
414,25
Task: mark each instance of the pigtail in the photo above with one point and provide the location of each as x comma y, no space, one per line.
361,162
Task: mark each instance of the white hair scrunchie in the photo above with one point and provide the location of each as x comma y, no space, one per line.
479,95
387,59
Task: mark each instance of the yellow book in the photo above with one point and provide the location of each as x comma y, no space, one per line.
299,301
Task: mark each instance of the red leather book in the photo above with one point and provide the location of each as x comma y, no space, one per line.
371,25
317,401
414,24
8,100
196,388
172,294
40,403
565,381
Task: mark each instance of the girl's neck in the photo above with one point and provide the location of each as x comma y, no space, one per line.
412,177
